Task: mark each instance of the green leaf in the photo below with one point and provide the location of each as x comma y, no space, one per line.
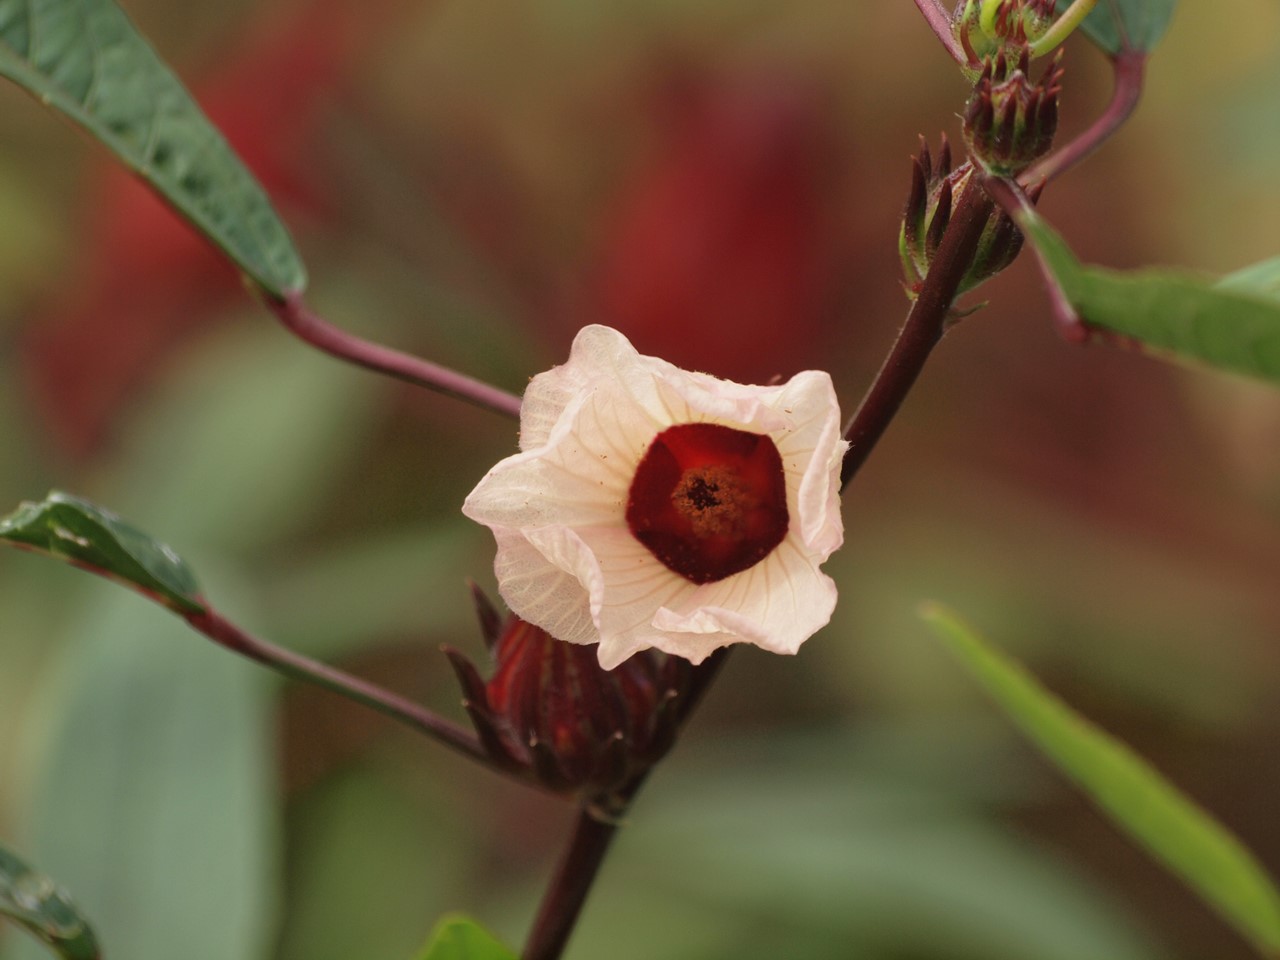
76,531
38,904
457,938
85,59
1141,802
153,788
1119,25
898,850
1233,324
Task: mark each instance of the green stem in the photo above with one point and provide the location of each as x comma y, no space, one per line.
1062,28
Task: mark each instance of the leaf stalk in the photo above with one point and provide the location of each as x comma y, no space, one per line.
1129,68
940,23
295,666
311,328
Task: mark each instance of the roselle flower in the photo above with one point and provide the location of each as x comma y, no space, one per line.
550,709
652,507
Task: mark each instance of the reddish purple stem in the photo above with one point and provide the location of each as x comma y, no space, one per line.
940,23
568,890
1073,327
297,667
1128,67
575,874
321,334
1014,202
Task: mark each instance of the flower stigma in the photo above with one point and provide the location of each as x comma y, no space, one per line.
708,500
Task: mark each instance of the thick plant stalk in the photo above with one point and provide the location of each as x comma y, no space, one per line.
924,328
592,834
568,891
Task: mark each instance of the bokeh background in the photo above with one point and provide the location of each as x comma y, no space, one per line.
720,179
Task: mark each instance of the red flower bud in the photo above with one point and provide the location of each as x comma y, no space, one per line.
550,710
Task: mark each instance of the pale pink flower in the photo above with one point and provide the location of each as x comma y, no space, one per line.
654,507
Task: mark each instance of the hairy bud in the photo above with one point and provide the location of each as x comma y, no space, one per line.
934,185
1009,120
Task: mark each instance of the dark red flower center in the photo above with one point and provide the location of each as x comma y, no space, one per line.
709,501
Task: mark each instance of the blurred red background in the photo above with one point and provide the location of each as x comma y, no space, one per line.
722,183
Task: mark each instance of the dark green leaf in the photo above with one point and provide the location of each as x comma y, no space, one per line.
78,532
1130,791
36,903
85,59
1234,324
457,938
1117,25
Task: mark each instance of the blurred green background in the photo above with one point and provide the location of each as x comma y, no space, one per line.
721,180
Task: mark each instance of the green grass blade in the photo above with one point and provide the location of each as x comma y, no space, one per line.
1259,279
85,59
37,904
1141,802
1232,324
458,938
